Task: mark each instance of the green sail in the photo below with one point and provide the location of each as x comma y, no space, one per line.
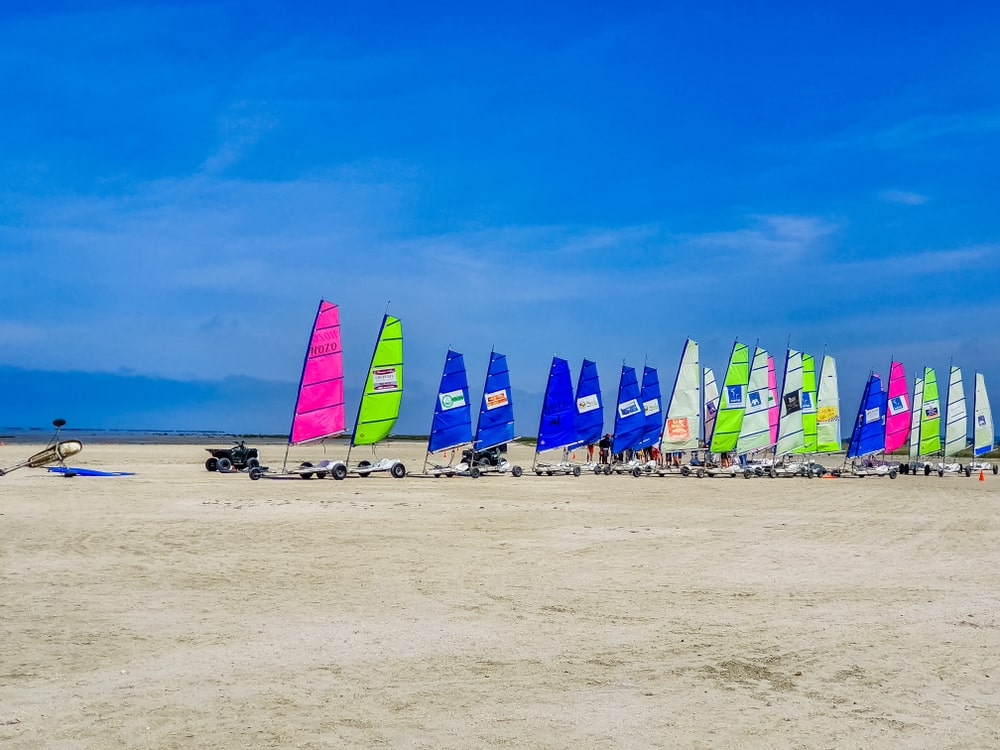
930,415
733,402
379,406
808,404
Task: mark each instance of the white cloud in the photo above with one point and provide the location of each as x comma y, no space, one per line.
905,197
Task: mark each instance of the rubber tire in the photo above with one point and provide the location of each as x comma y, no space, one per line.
321,475
483,462
364,465
255,473
968,471
927,470
339,471
474,472
700,473
224,466
598,470
892,474
576,471
636,471
995,468
516,471
398,471
940,472
253,463
685,471
212,464
607,470
747,473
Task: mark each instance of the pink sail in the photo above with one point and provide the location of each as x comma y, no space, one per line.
897,417
319,408
772,399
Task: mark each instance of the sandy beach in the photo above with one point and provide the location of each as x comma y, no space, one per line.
179,608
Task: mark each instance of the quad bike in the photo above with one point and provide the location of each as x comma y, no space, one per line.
225,460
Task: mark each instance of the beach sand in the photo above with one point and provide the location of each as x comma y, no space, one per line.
185,609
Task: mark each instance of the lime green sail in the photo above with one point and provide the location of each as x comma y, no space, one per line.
379,406
808,404
732,405
930,415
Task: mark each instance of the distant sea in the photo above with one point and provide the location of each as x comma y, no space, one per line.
140,437
131,437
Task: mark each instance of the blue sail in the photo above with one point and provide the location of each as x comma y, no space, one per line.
869,428
452,425
650,398
496,413
589,406
630,419
557,426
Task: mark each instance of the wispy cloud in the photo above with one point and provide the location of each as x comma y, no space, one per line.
240,128
775,237
905,197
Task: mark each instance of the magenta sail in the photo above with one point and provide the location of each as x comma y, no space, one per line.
319,408
897,418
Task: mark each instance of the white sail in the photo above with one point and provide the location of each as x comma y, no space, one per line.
982,433
755,432
711,403
680,430
790,433
828,438
918,409
956,428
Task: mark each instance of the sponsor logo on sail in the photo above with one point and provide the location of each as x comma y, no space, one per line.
678,429
385,379
827,414
898,405
651,407
807,401
930,410
629,408
872,415
792,403
734,395
452,400
496,399
587,403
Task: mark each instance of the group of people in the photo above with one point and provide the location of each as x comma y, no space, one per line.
652,453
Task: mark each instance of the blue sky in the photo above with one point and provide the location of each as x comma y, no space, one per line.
182,182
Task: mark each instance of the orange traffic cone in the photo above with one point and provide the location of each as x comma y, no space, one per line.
981,477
